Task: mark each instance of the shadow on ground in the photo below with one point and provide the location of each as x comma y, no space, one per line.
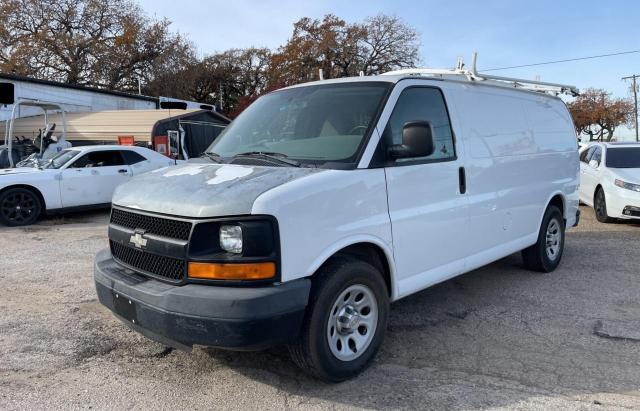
497,336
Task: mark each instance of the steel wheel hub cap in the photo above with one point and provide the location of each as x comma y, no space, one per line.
553,239
348,319
352,322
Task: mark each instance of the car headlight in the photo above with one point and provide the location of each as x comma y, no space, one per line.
628,186
231,238
243,248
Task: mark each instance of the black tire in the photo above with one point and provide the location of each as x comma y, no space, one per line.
19,206
538,257
600,207
312,351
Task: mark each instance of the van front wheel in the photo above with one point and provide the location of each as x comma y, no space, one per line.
346,319
546,253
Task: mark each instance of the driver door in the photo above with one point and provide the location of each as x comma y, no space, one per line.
429,213
92,178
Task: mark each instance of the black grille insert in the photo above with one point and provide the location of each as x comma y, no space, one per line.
150,224
169,268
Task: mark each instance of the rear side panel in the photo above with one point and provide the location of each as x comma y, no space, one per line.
521,150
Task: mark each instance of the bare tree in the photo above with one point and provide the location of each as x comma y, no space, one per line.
390,44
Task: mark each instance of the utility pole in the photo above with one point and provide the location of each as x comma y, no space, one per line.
635,99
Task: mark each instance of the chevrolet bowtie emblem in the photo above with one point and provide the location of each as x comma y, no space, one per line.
138,240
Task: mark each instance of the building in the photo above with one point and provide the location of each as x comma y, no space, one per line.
185,133
76,98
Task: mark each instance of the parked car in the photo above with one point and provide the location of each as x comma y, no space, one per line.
76,178
610,180
324,202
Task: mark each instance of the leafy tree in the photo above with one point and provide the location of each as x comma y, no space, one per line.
597,115
340,49
114,45
222,79
108,44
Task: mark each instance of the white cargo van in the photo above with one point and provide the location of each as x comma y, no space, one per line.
324,202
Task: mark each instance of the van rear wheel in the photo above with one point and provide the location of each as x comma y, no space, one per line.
546,253
346,320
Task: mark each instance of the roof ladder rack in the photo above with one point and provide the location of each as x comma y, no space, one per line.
472,75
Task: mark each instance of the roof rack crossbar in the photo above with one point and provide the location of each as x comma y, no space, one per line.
472,75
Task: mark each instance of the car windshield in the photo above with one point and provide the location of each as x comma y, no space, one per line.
316,124
61,159
623,157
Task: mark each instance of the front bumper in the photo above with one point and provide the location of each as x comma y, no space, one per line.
240,318
622,203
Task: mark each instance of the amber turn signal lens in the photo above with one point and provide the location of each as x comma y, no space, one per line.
244,271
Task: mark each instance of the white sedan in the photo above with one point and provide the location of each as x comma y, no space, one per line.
76,178
610,180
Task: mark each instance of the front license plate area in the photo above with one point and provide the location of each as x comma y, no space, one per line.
125,307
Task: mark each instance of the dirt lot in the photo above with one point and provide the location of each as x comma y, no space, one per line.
499,337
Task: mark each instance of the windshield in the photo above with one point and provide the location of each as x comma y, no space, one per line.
314,123
623,157
61,158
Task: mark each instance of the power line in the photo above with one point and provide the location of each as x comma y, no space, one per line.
564,61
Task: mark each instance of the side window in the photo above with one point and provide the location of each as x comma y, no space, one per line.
589,154
99,159
584,154
422,104
131,157
597,155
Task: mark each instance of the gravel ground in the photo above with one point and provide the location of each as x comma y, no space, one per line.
499,337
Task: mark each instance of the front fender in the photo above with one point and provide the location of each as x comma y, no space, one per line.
343,243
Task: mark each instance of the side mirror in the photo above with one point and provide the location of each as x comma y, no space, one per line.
593,164
417,141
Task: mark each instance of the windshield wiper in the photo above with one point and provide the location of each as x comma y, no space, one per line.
212,156
279,157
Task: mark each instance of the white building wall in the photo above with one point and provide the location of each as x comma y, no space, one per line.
71,99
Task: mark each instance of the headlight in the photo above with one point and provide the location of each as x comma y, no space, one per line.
231,238
628,186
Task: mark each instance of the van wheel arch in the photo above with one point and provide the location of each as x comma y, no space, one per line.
558,201
369,253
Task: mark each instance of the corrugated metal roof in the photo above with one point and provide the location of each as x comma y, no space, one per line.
100,125
15,77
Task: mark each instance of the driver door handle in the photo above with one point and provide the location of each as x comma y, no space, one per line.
462,180
123,171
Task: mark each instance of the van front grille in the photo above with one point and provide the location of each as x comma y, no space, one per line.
170,269
164,227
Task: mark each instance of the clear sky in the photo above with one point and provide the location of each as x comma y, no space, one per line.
505,33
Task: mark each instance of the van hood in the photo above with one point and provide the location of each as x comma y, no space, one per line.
204,190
